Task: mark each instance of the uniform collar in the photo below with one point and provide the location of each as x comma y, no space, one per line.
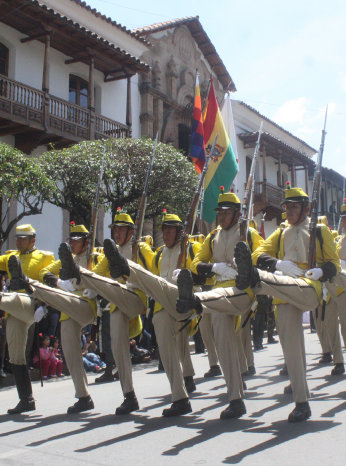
29,251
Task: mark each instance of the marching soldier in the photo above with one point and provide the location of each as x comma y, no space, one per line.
21,308
295,288
125,321
215,257
78,309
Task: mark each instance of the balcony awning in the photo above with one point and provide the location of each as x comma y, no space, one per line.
34,19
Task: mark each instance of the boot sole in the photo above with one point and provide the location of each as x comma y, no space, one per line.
243,260
67,262
185,289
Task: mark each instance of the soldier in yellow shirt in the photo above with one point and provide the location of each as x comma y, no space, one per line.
125,321
21,308
215,258
282,262
77,307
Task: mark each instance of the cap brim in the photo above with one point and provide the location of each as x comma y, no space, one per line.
21,235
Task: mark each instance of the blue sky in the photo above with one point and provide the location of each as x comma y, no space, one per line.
287,59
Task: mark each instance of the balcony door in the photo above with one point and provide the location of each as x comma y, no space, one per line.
3,60
78,91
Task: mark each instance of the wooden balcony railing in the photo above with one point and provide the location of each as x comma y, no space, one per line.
32,107
269,193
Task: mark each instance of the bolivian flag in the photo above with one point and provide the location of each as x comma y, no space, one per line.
223,166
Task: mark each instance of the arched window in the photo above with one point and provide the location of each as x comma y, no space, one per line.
78,91
3,60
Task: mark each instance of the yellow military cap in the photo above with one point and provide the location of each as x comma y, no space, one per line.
294,194
122,219
343,208
25,230
322,220
78,231
170,219
227,200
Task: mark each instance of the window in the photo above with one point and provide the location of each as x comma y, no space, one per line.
3,60
184,135
78,91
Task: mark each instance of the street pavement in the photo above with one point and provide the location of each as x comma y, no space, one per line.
263,436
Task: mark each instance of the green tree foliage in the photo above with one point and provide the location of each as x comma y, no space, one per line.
75,171
22,181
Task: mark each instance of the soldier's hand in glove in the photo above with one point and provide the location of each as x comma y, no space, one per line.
289,268
314,274
175,274
89,293
224,271
66,285
40,312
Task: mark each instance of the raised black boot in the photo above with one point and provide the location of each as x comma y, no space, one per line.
189,384
69,269
19,281
23,383
187,300
248,275
83,404
129,404
235,410
178,408
118,265
300,413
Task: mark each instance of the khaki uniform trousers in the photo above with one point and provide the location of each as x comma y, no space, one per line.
129,305
321,329
208,339
81,314
300,297
166,324
330,330
224,304
21,308
340,280
245,345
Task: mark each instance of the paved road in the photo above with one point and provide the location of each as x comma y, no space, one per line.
263,436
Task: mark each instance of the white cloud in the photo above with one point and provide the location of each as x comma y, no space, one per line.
292,111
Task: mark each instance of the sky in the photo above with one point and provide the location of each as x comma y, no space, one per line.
287,58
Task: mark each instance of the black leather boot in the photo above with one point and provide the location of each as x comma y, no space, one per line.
338,369
23,383
19,281
326,358
214,371
187,299
83,404
118,265
69,269
300,413
189,384
247,274
129,404
178,408
235,410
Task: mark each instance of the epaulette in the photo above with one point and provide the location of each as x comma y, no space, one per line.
45,253
10,251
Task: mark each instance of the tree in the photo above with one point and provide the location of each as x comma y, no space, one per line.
75,171
22,181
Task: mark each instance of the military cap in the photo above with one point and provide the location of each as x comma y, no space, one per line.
25,230
122,219
170,219
343,209
294,194
227,200
78,231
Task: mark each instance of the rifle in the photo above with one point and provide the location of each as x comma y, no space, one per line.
315,201
142,205
94,214
191,214
247,205
343,197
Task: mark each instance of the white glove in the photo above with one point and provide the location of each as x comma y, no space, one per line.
225,271
289,268
314,274
343,264
66,285
175,274
89,293
40,312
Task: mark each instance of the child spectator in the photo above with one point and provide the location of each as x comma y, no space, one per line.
48,362
54,342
